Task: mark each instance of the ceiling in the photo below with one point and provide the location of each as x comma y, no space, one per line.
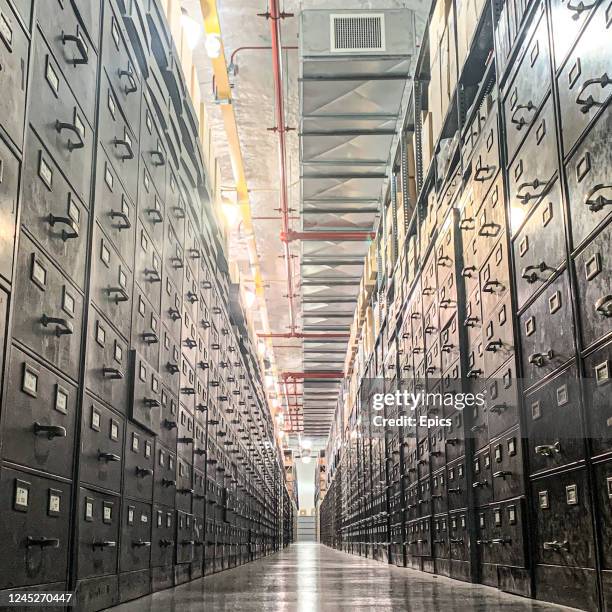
326,273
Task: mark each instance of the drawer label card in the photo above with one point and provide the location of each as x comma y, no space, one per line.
61,399
22,495
6,31
54,502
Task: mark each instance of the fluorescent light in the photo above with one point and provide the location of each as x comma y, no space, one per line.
191,29
249,298
213,45
231,212
306,444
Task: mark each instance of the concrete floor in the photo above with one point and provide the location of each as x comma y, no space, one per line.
309,577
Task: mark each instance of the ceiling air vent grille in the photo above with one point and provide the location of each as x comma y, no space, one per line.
357,32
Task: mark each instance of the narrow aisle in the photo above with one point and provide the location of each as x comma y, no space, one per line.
310,577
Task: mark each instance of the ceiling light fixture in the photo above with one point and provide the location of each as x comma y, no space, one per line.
191,29
231,213
306,459
249,298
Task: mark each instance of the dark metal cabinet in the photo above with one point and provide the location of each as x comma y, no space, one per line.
14,54
101,453
9,190
598,370
107,363
547,332
51,323
594,274
59,121
584,84
162,538
39,421
138,464
146,408
72,49
51,212
111,283
98,528
147,269
135,549
588,180
35,529
115,212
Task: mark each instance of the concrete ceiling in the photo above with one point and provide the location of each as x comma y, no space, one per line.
253,99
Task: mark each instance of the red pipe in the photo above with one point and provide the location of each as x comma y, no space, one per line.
277,69
291,235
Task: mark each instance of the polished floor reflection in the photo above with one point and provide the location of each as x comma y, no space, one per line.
309,577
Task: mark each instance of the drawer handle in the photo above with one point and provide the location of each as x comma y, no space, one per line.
51,431
502,541
447,348
468,271
494,227
60,125
521,122
604,306
454,490
491,285
184,491
456,541
132,86
201,407
122,142
140,471
446,303
453,441
187,543
489,172
80,45
483,542
64,327
185,440
415,315
179,212
161,159
499,408
42,541
104,456
477,428
444,260
206,285
151,402
192,297
141,544
155,214
112,373
527,197
195,253
467,224
494,345
480,484
597,204
170,424
167,482
121,295
530,273
430,329
539,359
471,322
103,544
150,337
548,450
190,343
556,546
502,474
153,276
589,102
124,218
199,451
579,8
174,314
428,291
177,263
474,373
66,235
203,365
172,367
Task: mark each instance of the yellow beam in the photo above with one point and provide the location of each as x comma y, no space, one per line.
223,93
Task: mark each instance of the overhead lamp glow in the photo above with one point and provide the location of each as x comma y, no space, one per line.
212,45
269,380
249,298
306,444
231,212
191,29
306,459
261,348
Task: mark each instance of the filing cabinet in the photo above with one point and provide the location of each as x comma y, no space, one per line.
9,189
102,445
146,407
63,231
135,550
35,531
14,54
51,324
39,424
58,119
138,464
